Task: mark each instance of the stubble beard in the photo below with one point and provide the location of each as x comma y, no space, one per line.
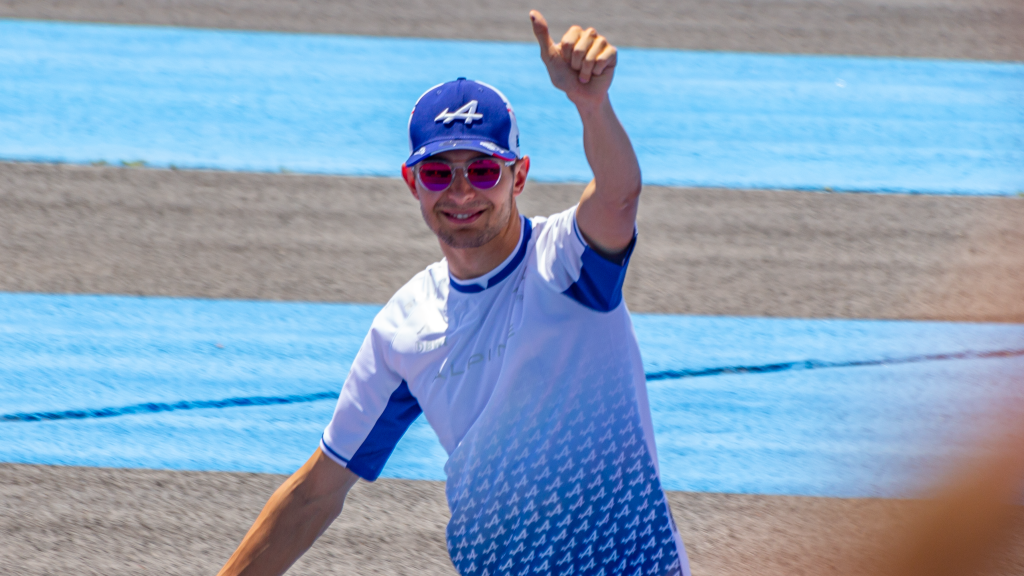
465,239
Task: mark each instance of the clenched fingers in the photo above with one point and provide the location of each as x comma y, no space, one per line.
569,40
588,67
579,51
605,60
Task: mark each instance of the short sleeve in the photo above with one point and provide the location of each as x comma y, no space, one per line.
566,261
374,410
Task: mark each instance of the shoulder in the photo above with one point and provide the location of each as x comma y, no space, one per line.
430,284
427,290
557,233
558,221
567,263
556,230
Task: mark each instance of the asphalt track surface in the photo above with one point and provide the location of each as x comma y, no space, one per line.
972,29
75,229
114,522
106,230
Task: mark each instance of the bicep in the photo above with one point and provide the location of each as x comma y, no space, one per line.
607,224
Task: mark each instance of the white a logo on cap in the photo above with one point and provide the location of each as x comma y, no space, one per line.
467,113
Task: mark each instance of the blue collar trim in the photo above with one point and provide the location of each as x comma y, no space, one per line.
504,273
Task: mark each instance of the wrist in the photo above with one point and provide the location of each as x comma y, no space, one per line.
590,105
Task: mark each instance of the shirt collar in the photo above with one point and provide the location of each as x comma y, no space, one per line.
500,272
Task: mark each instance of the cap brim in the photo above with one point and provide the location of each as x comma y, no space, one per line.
483,146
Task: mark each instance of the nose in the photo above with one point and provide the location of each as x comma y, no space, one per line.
460,186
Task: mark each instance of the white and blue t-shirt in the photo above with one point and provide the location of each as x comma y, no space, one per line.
532,379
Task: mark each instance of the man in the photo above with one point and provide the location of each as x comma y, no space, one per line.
517,348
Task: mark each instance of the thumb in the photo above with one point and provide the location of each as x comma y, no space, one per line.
540,30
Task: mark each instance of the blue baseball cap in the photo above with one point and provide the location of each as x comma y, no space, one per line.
462,115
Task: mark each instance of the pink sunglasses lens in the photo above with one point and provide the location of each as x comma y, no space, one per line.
435,176
483,174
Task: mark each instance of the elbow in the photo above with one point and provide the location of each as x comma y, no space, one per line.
632,187
630,198
637,188
626,197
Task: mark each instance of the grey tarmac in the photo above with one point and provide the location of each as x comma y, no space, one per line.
973,29
111,522
107,230
73,229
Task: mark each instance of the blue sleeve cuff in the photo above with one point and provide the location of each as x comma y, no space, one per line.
599,286
368,461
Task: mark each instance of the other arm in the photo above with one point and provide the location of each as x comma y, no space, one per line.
295,516
582,65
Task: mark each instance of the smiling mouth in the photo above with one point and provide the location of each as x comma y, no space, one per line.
462,217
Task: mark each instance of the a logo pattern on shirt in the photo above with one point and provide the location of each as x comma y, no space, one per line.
562,485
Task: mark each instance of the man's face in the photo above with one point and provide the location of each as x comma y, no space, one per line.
464,216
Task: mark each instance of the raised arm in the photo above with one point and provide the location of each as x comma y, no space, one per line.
295,516
582,65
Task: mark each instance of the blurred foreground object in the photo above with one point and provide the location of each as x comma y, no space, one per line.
971,519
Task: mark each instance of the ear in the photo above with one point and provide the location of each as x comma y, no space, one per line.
520,170
410,180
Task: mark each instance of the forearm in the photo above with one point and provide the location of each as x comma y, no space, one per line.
610,154
608,208
295,516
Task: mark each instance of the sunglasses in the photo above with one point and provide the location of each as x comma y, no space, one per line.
482,173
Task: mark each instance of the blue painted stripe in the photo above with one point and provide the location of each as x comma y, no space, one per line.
818,364
403,396
333,104
157,407
781,406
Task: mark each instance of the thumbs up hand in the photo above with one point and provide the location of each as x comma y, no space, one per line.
581,65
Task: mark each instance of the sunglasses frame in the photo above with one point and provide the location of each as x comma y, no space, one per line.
464,168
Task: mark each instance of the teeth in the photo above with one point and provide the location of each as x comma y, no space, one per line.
462,216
